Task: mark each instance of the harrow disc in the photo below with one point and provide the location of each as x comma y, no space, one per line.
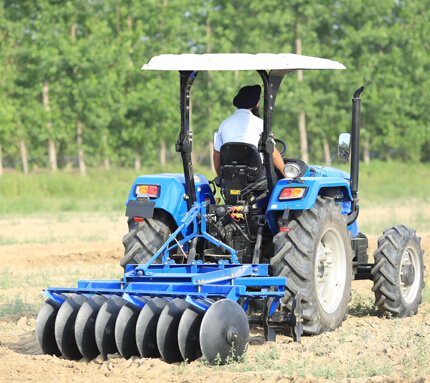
45,327
65,327
224,332
85,326
167,330
146,328
125,330
105,325
188,335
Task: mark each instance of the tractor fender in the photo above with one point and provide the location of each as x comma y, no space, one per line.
171,196
335,187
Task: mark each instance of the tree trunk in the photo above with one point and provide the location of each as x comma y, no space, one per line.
211,145
163,152
118,14
366,151
52,152
302,116
1,162
82,168
137,164
105,146
23,150
208,50
327,155
303,137
73,33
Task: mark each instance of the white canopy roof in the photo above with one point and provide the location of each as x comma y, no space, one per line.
284,62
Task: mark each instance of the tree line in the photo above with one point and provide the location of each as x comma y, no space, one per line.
72,92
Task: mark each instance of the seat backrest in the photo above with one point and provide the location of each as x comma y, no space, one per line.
243,155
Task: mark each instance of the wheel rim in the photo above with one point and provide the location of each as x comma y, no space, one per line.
409,272
330,270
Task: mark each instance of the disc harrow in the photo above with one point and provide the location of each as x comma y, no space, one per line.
178,312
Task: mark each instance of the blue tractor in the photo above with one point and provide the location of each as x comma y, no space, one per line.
193,265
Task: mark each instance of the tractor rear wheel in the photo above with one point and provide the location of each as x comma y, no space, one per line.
314,253
145,238
398,273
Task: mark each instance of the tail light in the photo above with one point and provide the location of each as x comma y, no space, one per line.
152,191
292,193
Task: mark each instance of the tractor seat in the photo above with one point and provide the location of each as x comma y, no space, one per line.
241,166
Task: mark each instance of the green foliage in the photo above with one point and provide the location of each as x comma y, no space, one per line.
87,56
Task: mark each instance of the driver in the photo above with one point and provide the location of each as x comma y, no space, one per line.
244,125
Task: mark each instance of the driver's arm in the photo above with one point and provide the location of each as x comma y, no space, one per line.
277,161
217,162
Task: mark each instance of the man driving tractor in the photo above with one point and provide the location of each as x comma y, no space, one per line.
244,125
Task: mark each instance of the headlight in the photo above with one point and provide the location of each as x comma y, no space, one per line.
152,191
291,170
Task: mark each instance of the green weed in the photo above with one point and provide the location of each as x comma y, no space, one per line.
267,360
362,306
6,279
16,305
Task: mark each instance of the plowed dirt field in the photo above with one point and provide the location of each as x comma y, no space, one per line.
36,252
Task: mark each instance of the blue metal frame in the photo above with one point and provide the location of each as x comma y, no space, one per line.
190,218
196,282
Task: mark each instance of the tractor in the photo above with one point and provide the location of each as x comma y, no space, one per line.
194,266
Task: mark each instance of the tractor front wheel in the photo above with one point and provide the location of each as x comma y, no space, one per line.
145,238
314,253
398,274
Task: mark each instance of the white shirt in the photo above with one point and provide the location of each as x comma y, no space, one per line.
242,126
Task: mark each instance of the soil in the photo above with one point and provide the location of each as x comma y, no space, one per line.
46,251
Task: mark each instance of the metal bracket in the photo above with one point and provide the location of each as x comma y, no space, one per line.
269,332
296,318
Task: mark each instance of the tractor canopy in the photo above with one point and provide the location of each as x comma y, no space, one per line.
283,62
271,67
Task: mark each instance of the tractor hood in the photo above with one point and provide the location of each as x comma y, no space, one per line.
330,172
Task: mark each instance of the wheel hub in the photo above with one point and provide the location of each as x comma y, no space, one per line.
232,335
330,270
407,274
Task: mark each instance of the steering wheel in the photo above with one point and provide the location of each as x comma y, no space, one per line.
284,146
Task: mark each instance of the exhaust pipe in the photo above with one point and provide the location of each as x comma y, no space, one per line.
355,153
